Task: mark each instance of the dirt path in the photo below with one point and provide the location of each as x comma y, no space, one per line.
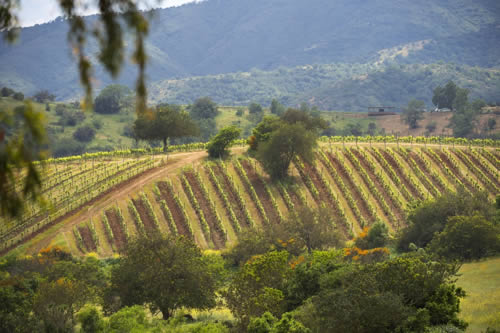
86,211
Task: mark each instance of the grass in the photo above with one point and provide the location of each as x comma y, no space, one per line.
481,307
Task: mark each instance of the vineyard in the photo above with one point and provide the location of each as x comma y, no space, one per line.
213,201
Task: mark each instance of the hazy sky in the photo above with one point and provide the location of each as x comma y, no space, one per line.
41,11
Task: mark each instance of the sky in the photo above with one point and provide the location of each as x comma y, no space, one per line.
40,11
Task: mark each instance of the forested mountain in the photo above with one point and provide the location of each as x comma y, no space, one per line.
226,36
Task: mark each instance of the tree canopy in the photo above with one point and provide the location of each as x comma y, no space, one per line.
204,108
413,113
164,122
111,99
165,272
217,146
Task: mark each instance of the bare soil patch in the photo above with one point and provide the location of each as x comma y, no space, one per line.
120,237
146,220
88,242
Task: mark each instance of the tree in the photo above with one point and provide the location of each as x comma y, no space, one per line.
84,133
285,144
111,99
43,96
165,272
217,147
276,107
18,96
164,122
204,108
443,97
6,92
306,118
467,238
263,130
109,34
312,229
413,113
431,216
257,287
255,108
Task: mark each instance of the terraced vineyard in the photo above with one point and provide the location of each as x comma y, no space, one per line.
213,201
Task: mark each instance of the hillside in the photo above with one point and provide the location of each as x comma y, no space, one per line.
226,36
345,87
99,201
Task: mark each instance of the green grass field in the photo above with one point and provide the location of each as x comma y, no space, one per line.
481,307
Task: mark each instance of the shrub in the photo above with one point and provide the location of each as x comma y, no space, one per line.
466,238
217,147
84,133
19,96
67,147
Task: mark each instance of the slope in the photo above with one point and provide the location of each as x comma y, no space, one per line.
222,36
213,201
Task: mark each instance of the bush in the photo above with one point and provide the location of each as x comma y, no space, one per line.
373,237
6,92
217,147
239,112
111,98
69,117
91,320
97,123
467,238
18,96
84,133
255,108
67,147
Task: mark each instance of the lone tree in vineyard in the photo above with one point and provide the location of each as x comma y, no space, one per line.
166,121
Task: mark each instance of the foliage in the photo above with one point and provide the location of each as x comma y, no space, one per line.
217,146
401,294
467,238
161,262
311,121
284,145
431,216
85,133
257,287
413,113
164,122
204,108
255,108
372,237
111,99
276,107
251,242
44,96
263,130
6,92
312,229
18,96
22,138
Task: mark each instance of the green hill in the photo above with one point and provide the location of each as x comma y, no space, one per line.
225,36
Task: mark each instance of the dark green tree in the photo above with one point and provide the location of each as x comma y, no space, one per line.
312,229
310,121
18,96
204,108
111,99
165,272
44,96
413,113
255,108
263,130
276,107
6,92
85,133
164,122
258,287
218,145
431,216
467,238
284,144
